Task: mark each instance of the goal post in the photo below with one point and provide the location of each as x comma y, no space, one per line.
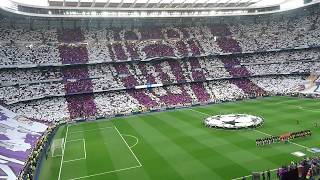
57,147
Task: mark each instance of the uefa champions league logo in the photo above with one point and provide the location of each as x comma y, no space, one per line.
233,121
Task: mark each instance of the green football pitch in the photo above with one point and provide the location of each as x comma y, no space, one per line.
176,145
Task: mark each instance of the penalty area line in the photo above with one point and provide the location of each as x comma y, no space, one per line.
84,151
128,146
107,172
137,140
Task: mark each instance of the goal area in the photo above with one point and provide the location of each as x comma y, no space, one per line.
57,147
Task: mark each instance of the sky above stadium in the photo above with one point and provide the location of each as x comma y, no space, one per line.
256,2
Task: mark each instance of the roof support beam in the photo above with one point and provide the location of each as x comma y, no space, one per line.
107,3
207,2
248,3
120,4
170,4
93,3
158,4
226,4
194,3
181,4
133,4
146,4
238,3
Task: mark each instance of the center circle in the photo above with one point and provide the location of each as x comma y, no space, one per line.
233,121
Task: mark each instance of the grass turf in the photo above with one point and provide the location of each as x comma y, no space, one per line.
176,145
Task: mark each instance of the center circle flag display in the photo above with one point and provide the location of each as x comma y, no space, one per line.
233,121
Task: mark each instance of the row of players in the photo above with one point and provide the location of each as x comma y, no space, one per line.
282,138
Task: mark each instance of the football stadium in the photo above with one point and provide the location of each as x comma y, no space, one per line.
159,90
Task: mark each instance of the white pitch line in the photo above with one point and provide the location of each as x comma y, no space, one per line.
107,172
56,156
262,132
137,140
74,160
283,102
74,140
299,145
302,108
74,132
117,170
84,148
200,112
128,146
64,147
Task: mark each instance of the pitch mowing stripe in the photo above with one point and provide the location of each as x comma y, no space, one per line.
105,163
90,167
148,155
104,173
175,155
273,165
241,150
90,130
259,131
114,158
72,167
64,147
121,156
279,118
128,146
202,152
50,166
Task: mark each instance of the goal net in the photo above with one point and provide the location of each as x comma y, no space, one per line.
57,148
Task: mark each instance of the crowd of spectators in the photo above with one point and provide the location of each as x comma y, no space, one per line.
20,84
19,46
50,109
129,101
16,34
13,55
110,62
96,71
288,32
279,84
110,104
16,93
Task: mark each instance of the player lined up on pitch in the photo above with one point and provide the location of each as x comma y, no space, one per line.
282,138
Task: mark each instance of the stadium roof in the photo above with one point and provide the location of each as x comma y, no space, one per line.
148,8
157,3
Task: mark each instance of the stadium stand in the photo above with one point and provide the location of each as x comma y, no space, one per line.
51,75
